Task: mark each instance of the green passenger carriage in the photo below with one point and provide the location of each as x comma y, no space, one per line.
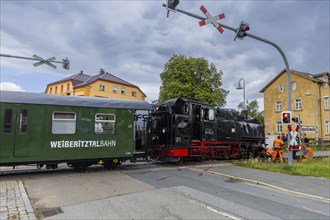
47,130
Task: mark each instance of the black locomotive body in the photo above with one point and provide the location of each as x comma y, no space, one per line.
180,128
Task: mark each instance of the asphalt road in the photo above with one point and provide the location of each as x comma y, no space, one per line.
163,191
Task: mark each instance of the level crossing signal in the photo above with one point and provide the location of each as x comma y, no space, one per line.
241,31
211,19
286,117
297,119
66,63
171,4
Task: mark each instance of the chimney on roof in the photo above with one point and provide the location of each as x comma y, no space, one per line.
102,71
81,72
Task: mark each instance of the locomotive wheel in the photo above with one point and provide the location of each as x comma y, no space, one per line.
180,161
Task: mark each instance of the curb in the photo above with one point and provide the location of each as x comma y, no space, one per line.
271,186
26,201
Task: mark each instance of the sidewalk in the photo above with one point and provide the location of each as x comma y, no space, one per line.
14,202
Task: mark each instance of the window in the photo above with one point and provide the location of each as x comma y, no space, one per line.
281,88
114,89
208,114
293,86
211,114
326,103
7,121
23,120
101,87
62,88
104,123
297,104
68,87
134,93
278,127
327,127
278,107
64,123
50,90
55,89
123,90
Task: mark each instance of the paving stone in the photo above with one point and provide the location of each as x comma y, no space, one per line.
14,202
3,215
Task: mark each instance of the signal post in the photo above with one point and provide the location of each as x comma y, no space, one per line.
240,33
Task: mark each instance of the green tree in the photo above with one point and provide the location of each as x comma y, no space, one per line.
253,110
192,78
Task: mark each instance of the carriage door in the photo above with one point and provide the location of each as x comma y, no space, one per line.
15,137
7,133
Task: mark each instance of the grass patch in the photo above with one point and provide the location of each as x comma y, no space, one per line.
318,167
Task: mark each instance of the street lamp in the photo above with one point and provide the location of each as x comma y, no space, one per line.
240,87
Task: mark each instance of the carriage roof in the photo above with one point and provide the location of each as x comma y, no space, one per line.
62,100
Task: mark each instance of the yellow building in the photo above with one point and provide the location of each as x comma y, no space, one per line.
104,85
309,100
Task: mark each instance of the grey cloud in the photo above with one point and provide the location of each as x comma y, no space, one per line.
134,39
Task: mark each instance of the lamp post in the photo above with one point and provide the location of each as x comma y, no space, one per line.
240,87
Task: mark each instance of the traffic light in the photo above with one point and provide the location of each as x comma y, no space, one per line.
66,63
171,4
286,117
296,119
241,31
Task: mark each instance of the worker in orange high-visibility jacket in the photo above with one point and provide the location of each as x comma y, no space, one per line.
267,152
278,148
308,152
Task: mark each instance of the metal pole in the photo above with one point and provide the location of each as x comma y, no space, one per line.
244,93
27,58
290,155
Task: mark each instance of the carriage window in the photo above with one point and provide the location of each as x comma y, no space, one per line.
105,123
7,121
64,123
23,119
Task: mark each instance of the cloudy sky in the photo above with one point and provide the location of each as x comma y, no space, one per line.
133,40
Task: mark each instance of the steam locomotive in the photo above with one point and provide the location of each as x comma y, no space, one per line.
181,129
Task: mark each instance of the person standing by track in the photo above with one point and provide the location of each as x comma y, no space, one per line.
278,149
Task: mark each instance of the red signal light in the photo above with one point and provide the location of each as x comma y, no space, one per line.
286,117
